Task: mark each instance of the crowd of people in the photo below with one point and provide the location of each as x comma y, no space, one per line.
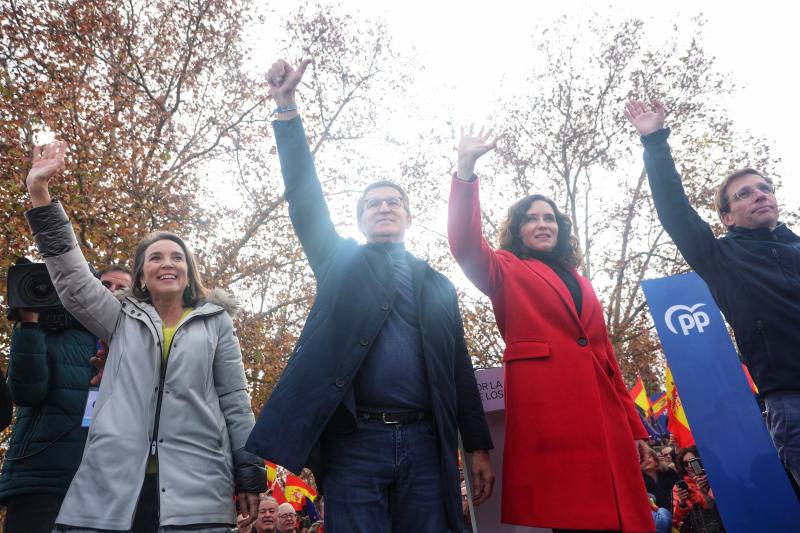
678,487
379,386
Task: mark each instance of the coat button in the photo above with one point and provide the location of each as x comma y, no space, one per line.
582,341
340,382
364,341
385,306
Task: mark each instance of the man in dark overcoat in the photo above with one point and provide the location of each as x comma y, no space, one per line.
380,381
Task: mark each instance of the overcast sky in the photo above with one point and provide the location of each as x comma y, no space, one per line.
457,41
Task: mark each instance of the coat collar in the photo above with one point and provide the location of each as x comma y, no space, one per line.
781,233
541,269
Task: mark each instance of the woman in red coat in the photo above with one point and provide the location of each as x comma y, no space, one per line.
571,457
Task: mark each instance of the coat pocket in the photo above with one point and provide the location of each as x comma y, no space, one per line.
526,350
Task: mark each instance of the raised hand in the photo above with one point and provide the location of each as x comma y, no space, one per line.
48,161
471,147
283,80
646,120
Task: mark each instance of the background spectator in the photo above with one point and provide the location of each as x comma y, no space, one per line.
49,374
695,510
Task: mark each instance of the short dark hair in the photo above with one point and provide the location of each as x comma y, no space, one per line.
115,267
385,183
722,202
193,292
566,248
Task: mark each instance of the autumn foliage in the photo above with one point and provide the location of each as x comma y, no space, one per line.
166,111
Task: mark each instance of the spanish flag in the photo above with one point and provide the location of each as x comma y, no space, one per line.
639,396
659,404
678,425
272,473
295,488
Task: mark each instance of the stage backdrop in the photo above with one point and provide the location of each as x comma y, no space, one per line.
750,485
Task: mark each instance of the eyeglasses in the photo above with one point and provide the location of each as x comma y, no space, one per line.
747,191
287,515
393,202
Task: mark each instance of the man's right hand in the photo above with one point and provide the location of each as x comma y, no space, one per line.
646,120
283,80
28,316
47,162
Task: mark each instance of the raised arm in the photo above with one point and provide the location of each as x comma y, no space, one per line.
464,227
307,207
80,292
691,234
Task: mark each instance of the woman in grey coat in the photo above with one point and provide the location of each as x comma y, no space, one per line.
165,445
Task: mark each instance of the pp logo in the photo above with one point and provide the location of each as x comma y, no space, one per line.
688,320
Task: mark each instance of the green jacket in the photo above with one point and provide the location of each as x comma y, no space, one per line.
48,376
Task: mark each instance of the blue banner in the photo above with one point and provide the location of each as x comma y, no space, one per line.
751,487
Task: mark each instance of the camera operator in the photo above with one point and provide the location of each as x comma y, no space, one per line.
48,377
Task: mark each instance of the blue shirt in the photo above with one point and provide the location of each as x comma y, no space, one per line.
393,376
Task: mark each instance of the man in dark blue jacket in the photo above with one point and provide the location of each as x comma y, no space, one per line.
380,377
753,272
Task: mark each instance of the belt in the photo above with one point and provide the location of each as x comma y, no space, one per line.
395,417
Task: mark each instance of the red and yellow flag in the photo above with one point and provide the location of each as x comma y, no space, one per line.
639,396
295,488
749,379
678,425
659,405
272,472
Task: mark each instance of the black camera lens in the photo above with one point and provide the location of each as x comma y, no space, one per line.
39,288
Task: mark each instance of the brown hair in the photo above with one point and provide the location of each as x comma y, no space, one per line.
194,290
115,267
385,183
722,202
679,466
566,248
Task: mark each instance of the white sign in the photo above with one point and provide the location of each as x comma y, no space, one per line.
490,386
88,411
688,320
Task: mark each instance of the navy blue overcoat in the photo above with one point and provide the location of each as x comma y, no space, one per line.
355,294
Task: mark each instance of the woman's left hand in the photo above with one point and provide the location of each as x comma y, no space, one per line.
248,507
702,482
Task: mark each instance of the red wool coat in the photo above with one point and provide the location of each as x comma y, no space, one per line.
570,459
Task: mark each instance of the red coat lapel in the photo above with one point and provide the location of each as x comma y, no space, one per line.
551,278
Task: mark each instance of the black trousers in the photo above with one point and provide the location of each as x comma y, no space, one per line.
32,513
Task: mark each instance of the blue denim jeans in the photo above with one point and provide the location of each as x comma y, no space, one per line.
382,474
783,422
